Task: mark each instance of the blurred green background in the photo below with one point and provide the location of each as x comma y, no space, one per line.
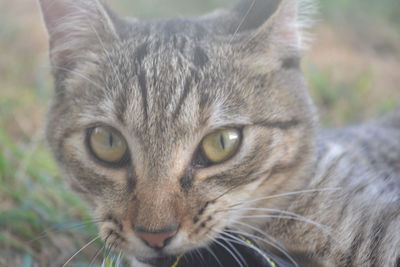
353,71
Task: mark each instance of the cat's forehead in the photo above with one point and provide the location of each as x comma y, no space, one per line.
178,41
163,77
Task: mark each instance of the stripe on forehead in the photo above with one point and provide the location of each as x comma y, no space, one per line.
187,58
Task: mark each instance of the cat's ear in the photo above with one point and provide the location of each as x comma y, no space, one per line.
273,28
74,26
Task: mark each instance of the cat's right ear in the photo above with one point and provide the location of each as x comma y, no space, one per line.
74,26
279,38
261,30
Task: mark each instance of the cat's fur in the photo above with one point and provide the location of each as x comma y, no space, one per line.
164,84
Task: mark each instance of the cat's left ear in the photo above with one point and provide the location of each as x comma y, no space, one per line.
74,26
281,35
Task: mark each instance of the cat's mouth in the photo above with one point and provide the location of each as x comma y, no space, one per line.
218,253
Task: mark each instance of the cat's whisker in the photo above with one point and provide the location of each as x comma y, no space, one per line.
327,231
237,252
226,192
214,256
229,251
287,194
292,215
198,253
80,250
239,241
228,242
119,259
113,260
78,74
99,250
272,241
107,253
190,253
242,242
110,248
113,247
96,255
107,247
242,21
44,233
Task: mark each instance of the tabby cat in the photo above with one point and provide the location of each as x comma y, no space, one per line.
178,131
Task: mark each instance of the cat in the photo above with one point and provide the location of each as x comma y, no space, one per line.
179,131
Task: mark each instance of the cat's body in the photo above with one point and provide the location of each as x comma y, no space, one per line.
364,162
136,102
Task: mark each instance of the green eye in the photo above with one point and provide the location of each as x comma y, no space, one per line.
107,144
221,145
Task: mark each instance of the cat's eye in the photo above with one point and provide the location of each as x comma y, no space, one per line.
221,145
107,144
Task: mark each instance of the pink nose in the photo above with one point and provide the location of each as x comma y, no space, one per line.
156,239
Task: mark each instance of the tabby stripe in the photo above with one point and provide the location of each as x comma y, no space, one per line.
186,180
347,203
377,235
140,53
60,152
311,200
372,153
182,45
190,82
93,182
87,179
354,248
121,106
143,90
131,180
200,58
186,89
284,125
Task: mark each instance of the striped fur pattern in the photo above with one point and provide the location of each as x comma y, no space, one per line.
326,197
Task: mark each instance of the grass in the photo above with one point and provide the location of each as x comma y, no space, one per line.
34,200
362,10
352,72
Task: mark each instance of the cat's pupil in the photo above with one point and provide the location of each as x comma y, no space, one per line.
110,140
221,140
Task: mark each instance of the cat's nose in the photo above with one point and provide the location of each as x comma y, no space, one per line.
156,239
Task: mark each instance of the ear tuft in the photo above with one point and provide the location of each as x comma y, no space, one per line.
295,17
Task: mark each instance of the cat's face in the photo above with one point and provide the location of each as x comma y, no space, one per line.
167,128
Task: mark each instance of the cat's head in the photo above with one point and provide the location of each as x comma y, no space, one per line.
168,127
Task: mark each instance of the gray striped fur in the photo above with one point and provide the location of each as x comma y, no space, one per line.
165,84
